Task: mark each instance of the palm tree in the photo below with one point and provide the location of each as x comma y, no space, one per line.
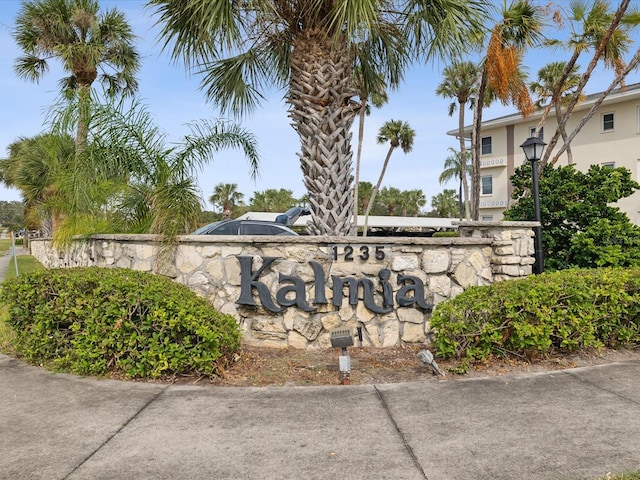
310,49
607,34
137,183
378,95
365,189
519,27
453,168
460,83
411,201
90,45
390,199
549,78
226,196
444,204
37,166
398,134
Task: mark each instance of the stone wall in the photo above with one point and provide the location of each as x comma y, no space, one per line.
281,289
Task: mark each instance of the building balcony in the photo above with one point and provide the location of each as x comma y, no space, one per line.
493,162
493,203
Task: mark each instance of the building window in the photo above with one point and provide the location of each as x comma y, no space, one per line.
609,164
487,185
532,133
607,122
486,145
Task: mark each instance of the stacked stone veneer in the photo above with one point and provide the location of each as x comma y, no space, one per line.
482,254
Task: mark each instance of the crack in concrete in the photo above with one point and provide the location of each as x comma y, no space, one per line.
599,387
120,429
407,447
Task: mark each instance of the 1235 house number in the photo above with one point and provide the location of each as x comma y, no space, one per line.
349,253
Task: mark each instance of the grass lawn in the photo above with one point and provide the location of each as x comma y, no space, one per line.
5,244
26,264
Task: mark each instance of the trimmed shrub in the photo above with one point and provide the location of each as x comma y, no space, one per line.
96,321
566,310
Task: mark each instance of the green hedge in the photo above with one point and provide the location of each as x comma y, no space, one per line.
566,310
96,321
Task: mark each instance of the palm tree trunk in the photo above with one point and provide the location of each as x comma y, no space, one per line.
475,146
322,114
375,190
583,81
563,131
463,161
84,117
362,115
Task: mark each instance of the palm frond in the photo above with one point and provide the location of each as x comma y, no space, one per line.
207,138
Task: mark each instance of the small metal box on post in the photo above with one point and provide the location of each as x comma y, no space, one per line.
343,338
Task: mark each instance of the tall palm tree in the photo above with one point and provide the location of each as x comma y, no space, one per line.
399,135
226,196
549,78
453,168
310,48
376,95
594,27
460,83
519,27
89,44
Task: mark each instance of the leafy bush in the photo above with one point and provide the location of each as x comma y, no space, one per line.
94,321
445,234
580,226
566,310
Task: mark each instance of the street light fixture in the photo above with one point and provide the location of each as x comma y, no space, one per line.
533,147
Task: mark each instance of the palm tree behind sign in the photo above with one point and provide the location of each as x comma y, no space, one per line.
226,196
398,134
460,83
89,44
454,167
310,49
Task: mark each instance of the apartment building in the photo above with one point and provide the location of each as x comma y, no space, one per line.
611,137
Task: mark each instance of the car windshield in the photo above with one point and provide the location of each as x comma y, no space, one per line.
204,230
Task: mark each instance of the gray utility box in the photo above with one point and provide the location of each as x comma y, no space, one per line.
341,338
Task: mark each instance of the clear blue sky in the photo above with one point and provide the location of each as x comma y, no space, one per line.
173,98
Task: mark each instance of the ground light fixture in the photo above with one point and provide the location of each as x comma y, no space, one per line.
343,338
533,148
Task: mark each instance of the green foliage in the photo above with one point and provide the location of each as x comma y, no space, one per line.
7,336
566,310
11,213
579,226
273,200
94,321
445,204
448,234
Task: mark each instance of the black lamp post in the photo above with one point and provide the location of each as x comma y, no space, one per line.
533,148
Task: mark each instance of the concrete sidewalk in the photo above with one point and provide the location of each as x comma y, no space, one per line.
571,424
